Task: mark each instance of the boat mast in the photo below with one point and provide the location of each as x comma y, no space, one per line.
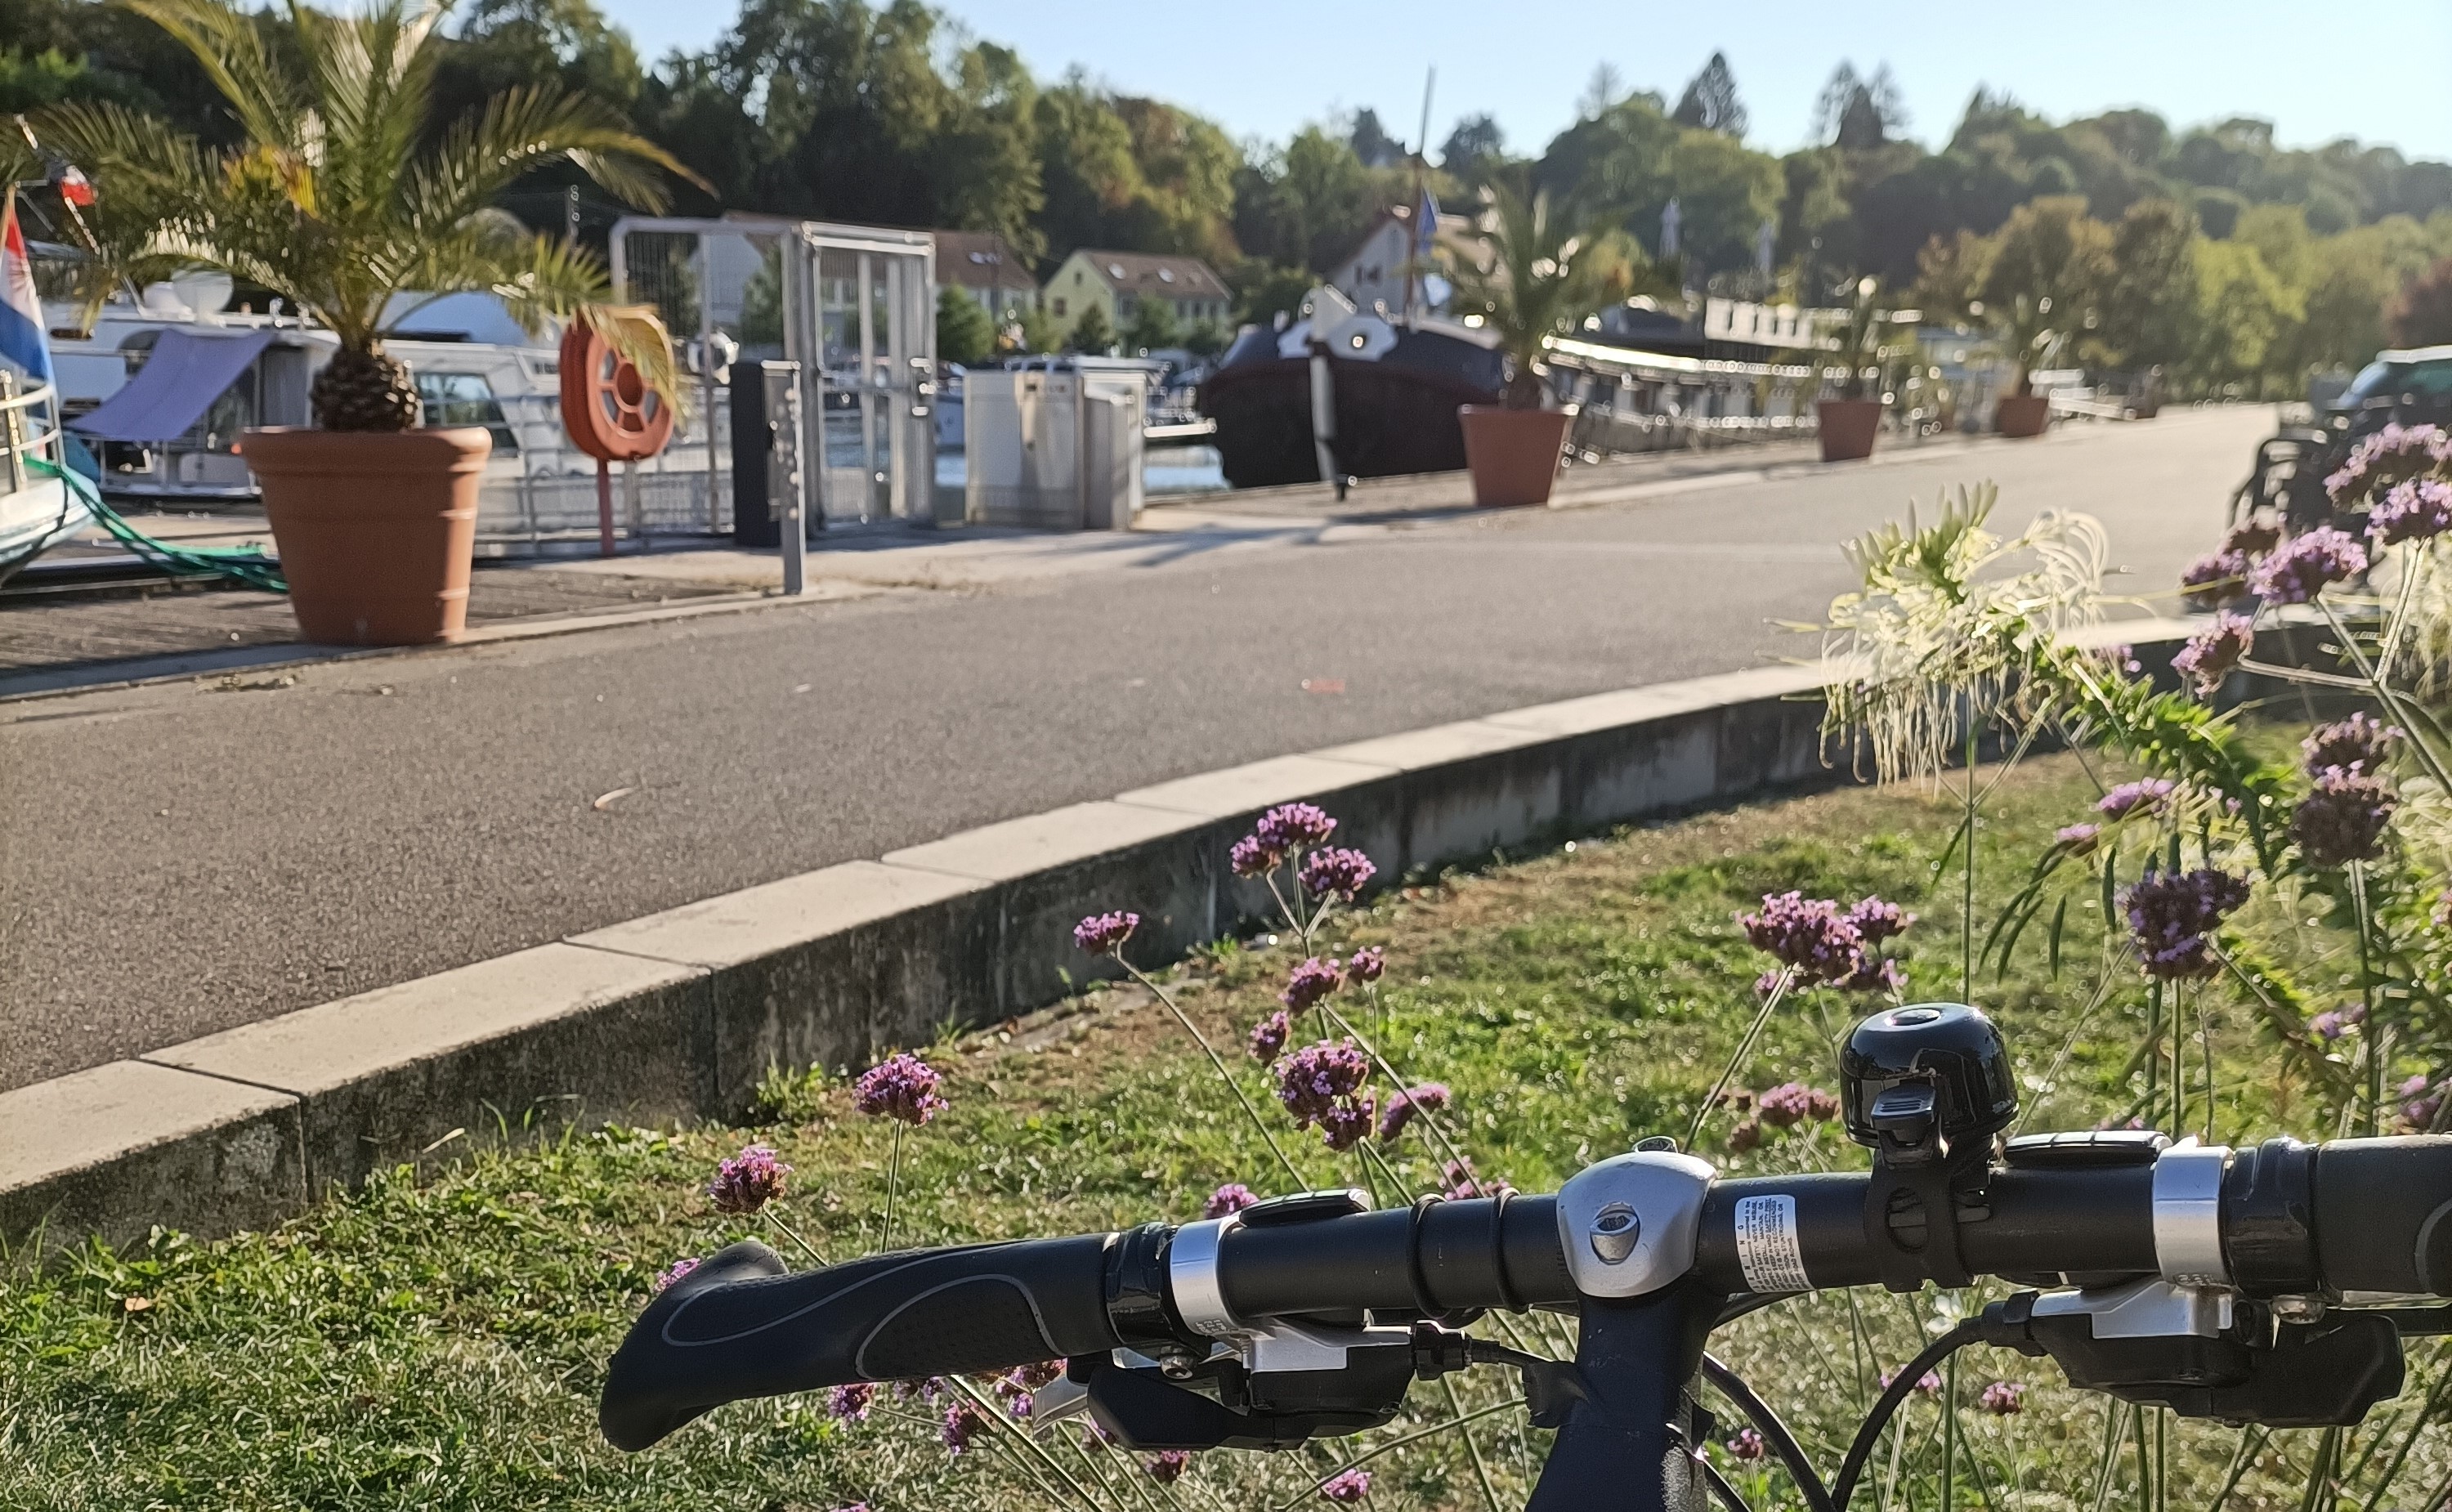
1421,165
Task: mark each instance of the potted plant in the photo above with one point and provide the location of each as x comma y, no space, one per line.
1536,280
341,198
2034,340
1848,424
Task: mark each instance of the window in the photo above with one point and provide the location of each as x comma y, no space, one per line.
1060,305
467,398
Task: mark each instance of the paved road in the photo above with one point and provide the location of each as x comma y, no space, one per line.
175,860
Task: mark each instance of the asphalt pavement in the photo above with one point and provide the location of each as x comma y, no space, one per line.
180,858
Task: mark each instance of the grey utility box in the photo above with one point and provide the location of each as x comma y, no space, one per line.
1053,450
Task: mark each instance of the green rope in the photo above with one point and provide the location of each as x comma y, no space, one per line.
245,564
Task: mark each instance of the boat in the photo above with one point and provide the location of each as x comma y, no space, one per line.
162,386
37,509
1396,384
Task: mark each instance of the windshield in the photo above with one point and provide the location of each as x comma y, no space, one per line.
2371,381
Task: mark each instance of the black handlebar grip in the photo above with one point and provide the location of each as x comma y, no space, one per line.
2383,1214
740,1325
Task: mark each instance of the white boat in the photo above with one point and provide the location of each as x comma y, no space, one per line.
161,389
37,509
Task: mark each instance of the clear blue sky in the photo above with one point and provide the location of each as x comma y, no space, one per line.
1264,68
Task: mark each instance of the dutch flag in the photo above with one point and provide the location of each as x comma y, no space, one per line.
24,344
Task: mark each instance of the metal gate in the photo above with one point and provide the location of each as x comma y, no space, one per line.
860,316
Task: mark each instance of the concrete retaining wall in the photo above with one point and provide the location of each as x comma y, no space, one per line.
678,1015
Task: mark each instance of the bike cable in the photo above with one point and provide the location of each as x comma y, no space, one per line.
1905,1382
1775,1433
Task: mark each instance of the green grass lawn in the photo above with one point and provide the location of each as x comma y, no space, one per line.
438,1343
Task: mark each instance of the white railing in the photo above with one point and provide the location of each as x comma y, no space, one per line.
24,433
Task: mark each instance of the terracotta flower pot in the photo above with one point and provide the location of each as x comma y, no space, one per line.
2022,414
1512,453
1847,427
375,530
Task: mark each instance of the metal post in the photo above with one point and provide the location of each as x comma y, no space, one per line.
794,258
867,386
604,507
706,370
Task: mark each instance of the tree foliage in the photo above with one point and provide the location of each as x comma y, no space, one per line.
1710,100
2422,313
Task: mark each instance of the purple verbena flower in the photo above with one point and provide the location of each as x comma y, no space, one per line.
1791,1103
1747,1445
1347,1124
1294,827
964,1423
2443,910
1232,1198
2214,579
675,1272
748,1181
1876,921
2329,1025
2171,916
2355,744
2420,509
1810,935
1429,1097
1341,874
1314,1079
1744,1135
928,1388
1347,1486
1873,973
1269,1037
1250,859
2122,660
2003,1398
850,1400
2387,457
1311,981
2343,818
2078,839
2145,796
1929,1382
2307,565
1105,933
1167,1466
2212,653
1367,964
904,1087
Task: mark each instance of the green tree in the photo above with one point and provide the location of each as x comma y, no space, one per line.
1263,290
1538,278
333,204
964,333
1205,339
2050,270
2242,313
1091,334
1711,102
1039,330
1152,328
2422,313
2148,304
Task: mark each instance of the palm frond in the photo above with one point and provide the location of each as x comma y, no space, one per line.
239,63
522,129
372,76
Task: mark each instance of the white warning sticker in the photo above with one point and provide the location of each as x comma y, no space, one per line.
1766,1248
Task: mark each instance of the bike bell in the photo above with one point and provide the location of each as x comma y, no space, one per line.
1918,1081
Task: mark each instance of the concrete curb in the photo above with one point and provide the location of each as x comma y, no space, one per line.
678,1015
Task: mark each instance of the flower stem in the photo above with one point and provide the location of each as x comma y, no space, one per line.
1966,913
1312,1487
995,1415
1224,1074
2358,878
1711,1099
789,1232
893,1182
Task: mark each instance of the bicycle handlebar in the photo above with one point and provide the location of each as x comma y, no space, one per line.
2283,1219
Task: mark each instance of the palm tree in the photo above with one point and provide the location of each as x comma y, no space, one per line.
341,199
1539,279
